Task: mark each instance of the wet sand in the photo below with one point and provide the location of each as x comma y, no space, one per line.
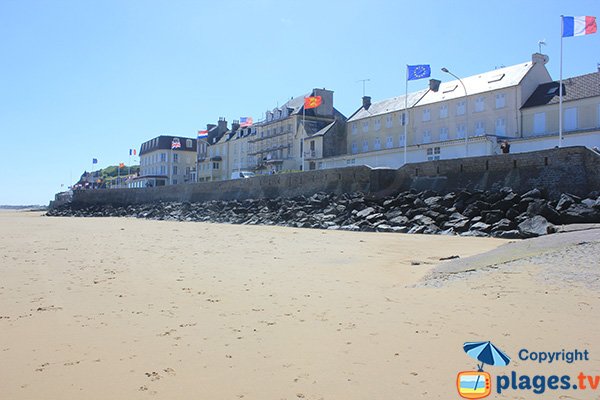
120,308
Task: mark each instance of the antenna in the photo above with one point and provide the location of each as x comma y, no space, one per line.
364,82
540,44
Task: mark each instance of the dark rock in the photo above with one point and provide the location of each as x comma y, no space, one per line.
565,202
492,216
417,229
512,213
512,234
366,212
480,226
580,214
503,225
422,220
534,194
431,201
535,226
398,221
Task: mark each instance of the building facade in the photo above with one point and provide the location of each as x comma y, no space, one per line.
166,160
581,115
486,108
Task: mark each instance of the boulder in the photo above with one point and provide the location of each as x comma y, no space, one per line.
535,226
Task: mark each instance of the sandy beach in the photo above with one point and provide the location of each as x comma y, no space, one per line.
120,308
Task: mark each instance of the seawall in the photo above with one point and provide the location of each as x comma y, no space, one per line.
573,170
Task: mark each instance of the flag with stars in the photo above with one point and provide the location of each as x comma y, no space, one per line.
418,71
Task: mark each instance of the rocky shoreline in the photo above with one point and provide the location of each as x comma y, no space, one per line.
503,213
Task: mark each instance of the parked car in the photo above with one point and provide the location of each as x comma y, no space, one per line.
242,174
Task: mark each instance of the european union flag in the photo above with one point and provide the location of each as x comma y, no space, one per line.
418,71
94,161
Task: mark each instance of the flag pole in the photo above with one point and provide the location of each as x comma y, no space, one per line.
560,85
405,119
302,135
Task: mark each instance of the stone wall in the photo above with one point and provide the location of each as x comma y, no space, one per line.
339,180
574,170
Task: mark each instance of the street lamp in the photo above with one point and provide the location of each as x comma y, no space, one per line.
466,110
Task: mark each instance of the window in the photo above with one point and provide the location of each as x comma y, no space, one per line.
377,144
354,148
444,133
479,104
401,141
354,128
444,111
402,118
570,123
426,115
365,125
426,136
162,170
479,128
433,153
215,165
163,157
175,157
378,124
461,106
174,169
188,143
365,146
500,126
174,181
389,142
539,123
460,131
389,121
500,100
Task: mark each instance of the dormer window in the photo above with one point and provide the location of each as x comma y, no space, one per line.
496,78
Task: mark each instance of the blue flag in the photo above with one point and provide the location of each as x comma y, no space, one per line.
94,161
418,71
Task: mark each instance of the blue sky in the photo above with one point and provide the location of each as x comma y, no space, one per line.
92,78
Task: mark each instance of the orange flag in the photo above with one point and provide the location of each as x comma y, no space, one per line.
312,102
121,165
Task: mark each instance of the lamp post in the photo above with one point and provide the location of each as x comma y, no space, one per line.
466,110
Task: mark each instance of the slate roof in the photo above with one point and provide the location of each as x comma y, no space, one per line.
487,81
164,143
575,88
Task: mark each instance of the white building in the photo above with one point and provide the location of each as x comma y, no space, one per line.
488,113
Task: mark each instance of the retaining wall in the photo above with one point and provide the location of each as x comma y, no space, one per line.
574,170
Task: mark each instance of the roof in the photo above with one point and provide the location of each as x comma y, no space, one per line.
492,80
388,105
575,88
164,143
324,131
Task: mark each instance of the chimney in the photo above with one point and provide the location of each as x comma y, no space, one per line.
222,124
235,125
366,102
540,58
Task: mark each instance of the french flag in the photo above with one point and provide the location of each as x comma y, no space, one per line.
578,26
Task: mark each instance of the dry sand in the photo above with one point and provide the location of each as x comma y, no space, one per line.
111,308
